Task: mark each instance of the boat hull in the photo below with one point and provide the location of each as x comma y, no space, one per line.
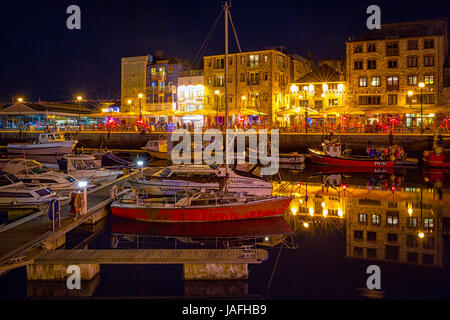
431,159
52,148
316,157
234,212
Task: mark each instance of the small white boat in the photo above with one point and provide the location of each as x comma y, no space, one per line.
30,171
86,167
157,148
181,178
47,144
15,194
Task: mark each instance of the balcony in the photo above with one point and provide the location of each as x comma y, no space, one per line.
160,75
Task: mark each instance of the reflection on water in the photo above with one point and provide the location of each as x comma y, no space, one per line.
338,224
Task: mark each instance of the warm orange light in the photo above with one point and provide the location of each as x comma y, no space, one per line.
20,100
421,85
410,93
129,101
140,95
79,98
217,92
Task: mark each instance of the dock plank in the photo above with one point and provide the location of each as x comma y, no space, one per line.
149,256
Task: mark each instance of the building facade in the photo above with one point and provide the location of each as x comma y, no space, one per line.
317,98
133,82
162,82
385,67
258,82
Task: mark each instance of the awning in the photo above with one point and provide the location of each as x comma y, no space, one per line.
297,111
203,112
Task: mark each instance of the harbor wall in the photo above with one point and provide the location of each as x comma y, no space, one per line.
288,141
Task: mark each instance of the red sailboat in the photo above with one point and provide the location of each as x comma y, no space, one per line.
332,155
200,207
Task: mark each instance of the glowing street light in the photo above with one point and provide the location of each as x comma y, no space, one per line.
306,225
140,95
20,100
294,88
421,235
311,211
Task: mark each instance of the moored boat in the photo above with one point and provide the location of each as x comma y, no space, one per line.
52,143
200,207
436,158
181,178
332,155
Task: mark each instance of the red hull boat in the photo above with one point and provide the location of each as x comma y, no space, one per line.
348,161
434,159
253,209
332,156
228,229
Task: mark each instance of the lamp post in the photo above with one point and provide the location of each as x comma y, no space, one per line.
20,115
323,106
421,85
79,111
243,101
294,90
305,88
140,95
217,92
341,88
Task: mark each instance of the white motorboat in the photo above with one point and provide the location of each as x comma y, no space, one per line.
86,167
52,143
30,171
15,194
181,178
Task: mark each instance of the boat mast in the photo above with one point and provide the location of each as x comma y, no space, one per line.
226,63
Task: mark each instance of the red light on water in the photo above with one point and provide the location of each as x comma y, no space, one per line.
344,186
344,118
393,188
299,184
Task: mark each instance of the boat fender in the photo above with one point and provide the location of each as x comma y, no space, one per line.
114,192
78,203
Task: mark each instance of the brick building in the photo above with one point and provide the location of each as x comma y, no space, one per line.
133,82
258,82
384,68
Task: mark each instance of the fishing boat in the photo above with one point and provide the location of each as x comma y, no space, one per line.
199,207
86,167
157,148
289,158
181,178
14,194
30,171
332,155
52,143
436,158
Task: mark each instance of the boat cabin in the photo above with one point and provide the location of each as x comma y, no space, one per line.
159,145
49,137
9,180
22,166
183,172
332,149
75,163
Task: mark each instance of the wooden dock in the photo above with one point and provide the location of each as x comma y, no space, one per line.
23,237
151,256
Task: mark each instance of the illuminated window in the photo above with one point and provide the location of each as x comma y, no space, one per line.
412,80
429,79
362,218
412,222
392,219
392,83
362,82
376,219
170,69
428,223
253,60
375,82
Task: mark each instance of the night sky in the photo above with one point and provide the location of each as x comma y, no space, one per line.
41,58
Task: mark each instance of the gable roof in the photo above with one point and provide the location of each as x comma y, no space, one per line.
324,73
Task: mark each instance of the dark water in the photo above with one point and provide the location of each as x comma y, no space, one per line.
371,219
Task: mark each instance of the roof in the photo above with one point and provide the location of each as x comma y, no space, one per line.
44,108
324,73
410,29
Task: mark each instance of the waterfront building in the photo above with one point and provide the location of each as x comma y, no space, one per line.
258,83
395,74
39,115
316,98
134,82
191,96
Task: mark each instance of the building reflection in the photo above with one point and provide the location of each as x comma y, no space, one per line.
385,219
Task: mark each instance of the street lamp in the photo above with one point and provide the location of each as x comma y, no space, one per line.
79,110
20,116
140,95
217,92
421,85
